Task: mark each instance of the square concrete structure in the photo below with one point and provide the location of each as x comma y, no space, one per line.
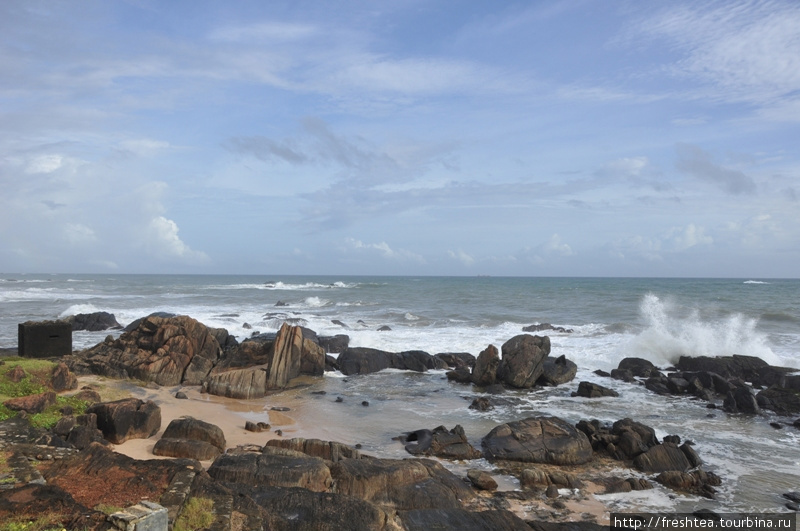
45,339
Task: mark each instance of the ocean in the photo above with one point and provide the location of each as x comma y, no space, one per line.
610,319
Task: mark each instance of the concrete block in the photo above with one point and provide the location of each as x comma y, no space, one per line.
44,339
144,516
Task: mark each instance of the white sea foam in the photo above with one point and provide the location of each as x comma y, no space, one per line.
754,282
672,332
75,309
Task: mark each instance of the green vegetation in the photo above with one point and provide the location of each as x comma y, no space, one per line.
198,513
45,522
107,509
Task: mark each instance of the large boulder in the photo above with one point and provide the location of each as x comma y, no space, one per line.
196,430
661,458
360,360
780,400
557,371
62,379
242,384
457,359
522,360
440,442
129,418
277,467
334,344
548,440
401,484
93,322
741,400
328,450
638,367
32,403
484,372
593,390
168,351
186,448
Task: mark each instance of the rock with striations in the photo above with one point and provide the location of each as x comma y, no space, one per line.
334,344
547,440
462,520
481,479
129,418
522,360
440,442
327,450
197,430
94,322
276,467
167,351
593,390
484,372
661,458
633,438
186,448
557,371
405,484
456,360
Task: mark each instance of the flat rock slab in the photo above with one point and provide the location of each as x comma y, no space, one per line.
548,440
278,467
462,520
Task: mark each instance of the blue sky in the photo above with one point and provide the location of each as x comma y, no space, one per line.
571,137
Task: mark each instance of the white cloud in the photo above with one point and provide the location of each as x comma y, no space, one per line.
45,163
462,257
264,31
145,147
683,238
163,241
555,246
384,250
78,233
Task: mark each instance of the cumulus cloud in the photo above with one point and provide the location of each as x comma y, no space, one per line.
697,162
683,238
384,250
163,240
672,241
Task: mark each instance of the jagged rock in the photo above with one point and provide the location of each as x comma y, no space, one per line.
401,484
129,418
457,359
696,482
93,322
522,360
62,379
557,371
633,438
780,400
741,400
484,372
462,520
441,443
661,458
167,351
277,467
639,367
481,480
536,477
593,390
548,440
135,324
367,360
32,403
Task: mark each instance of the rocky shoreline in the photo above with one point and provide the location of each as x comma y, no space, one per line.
274,481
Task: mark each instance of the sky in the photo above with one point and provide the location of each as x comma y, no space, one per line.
401,137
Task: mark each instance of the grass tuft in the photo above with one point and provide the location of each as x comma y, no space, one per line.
198,513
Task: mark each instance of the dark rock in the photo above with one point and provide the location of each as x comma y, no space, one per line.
88,395
339,323
481,480
691,455
457,359
551,491
522,361
532,478
334,344
196,430
401,484
547,440
674,439
81,437
62,379
780,400
253,427
792,496
658,385
633,438
93,322
32,403
460,375
481,403
696,482
623,374
384,328
484,372
557,371
639,367
442,443
365,403
546,326
593,390
462,520
776,425
191,449
601,372
180,395
677,385
661,458
129,418
277,467
327,450
135,324
741,400
339,399
16,374
281,304
366,360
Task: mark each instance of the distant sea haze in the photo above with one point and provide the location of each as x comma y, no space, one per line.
610,319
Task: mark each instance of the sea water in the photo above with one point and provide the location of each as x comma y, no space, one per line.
609,319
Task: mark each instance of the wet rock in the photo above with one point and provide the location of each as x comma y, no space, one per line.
557,371
366,360
662,458
481,480
691,455
696,482
546,326
32,403
457,359
180,395
741,400
384,328
440,442
481,403
780,400
638,367
460,375
522,360
623,374
129,418
547,440
485,370
334,344
593,390
93,322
